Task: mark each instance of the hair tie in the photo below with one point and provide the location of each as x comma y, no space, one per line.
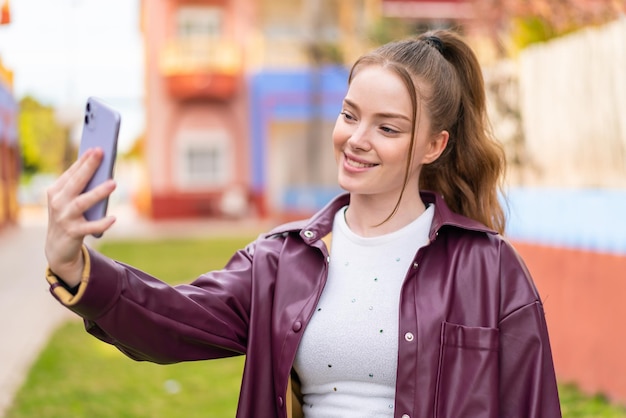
435,42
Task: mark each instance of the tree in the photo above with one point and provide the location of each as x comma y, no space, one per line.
527,22
44,142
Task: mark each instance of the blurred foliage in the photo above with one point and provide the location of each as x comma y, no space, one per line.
44,142
529,30
575,405
387,29
137,150
542,20
328,53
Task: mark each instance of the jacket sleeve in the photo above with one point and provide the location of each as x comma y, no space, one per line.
528,386
148,319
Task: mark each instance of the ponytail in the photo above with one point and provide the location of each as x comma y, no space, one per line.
469,173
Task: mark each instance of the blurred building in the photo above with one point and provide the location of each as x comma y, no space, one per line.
447,12
480,21
9,150
240,99
242,95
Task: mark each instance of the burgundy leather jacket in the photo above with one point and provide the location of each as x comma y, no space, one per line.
472,334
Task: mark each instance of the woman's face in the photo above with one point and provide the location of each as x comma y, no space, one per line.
372,136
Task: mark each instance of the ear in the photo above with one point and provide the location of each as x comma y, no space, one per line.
436,146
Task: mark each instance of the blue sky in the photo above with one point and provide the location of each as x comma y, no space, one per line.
63,51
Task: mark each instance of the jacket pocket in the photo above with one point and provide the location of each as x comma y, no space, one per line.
467,376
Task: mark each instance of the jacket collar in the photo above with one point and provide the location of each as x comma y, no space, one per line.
446,217
321,224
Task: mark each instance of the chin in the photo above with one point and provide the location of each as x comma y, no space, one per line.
345,185
353,189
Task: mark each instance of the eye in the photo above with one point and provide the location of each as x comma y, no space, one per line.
388,130
347,116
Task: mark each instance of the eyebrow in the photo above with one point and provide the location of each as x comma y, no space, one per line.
390,115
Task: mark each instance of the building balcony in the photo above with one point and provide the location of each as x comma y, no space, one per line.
201,68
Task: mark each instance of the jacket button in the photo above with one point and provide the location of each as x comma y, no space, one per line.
406,416
415,265
309,234
409,336
297,326
281,402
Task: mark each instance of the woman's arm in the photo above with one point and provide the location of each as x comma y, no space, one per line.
150,320
528,386
144,317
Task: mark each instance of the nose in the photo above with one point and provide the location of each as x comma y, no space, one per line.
359,139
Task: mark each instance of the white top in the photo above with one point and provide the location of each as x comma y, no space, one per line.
347,359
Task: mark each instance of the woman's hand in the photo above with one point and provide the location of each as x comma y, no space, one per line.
67,227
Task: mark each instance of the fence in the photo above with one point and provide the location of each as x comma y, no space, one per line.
573,106
560,110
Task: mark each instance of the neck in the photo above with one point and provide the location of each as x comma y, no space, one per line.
366,214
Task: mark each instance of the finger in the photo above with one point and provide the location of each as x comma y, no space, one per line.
76,183
79,229
64,206
84,201
66,186
97,227
70,172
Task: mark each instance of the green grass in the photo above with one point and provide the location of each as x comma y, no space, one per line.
78,376
176,260
575,405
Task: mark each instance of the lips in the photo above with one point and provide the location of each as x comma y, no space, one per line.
358,164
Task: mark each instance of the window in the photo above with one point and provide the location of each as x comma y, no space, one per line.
203,159
199,22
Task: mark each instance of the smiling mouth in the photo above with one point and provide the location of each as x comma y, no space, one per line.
357,164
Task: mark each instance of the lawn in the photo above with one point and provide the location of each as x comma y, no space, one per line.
78,376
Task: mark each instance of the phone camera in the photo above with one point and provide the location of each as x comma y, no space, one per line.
87,119
88,107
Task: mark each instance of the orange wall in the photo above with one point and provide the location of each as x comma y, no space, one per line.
584,296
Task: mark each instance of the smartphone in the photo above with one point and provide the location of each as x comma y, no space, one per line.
101,126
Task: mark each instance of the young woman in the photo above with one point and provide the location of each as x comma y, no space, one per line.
398,299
